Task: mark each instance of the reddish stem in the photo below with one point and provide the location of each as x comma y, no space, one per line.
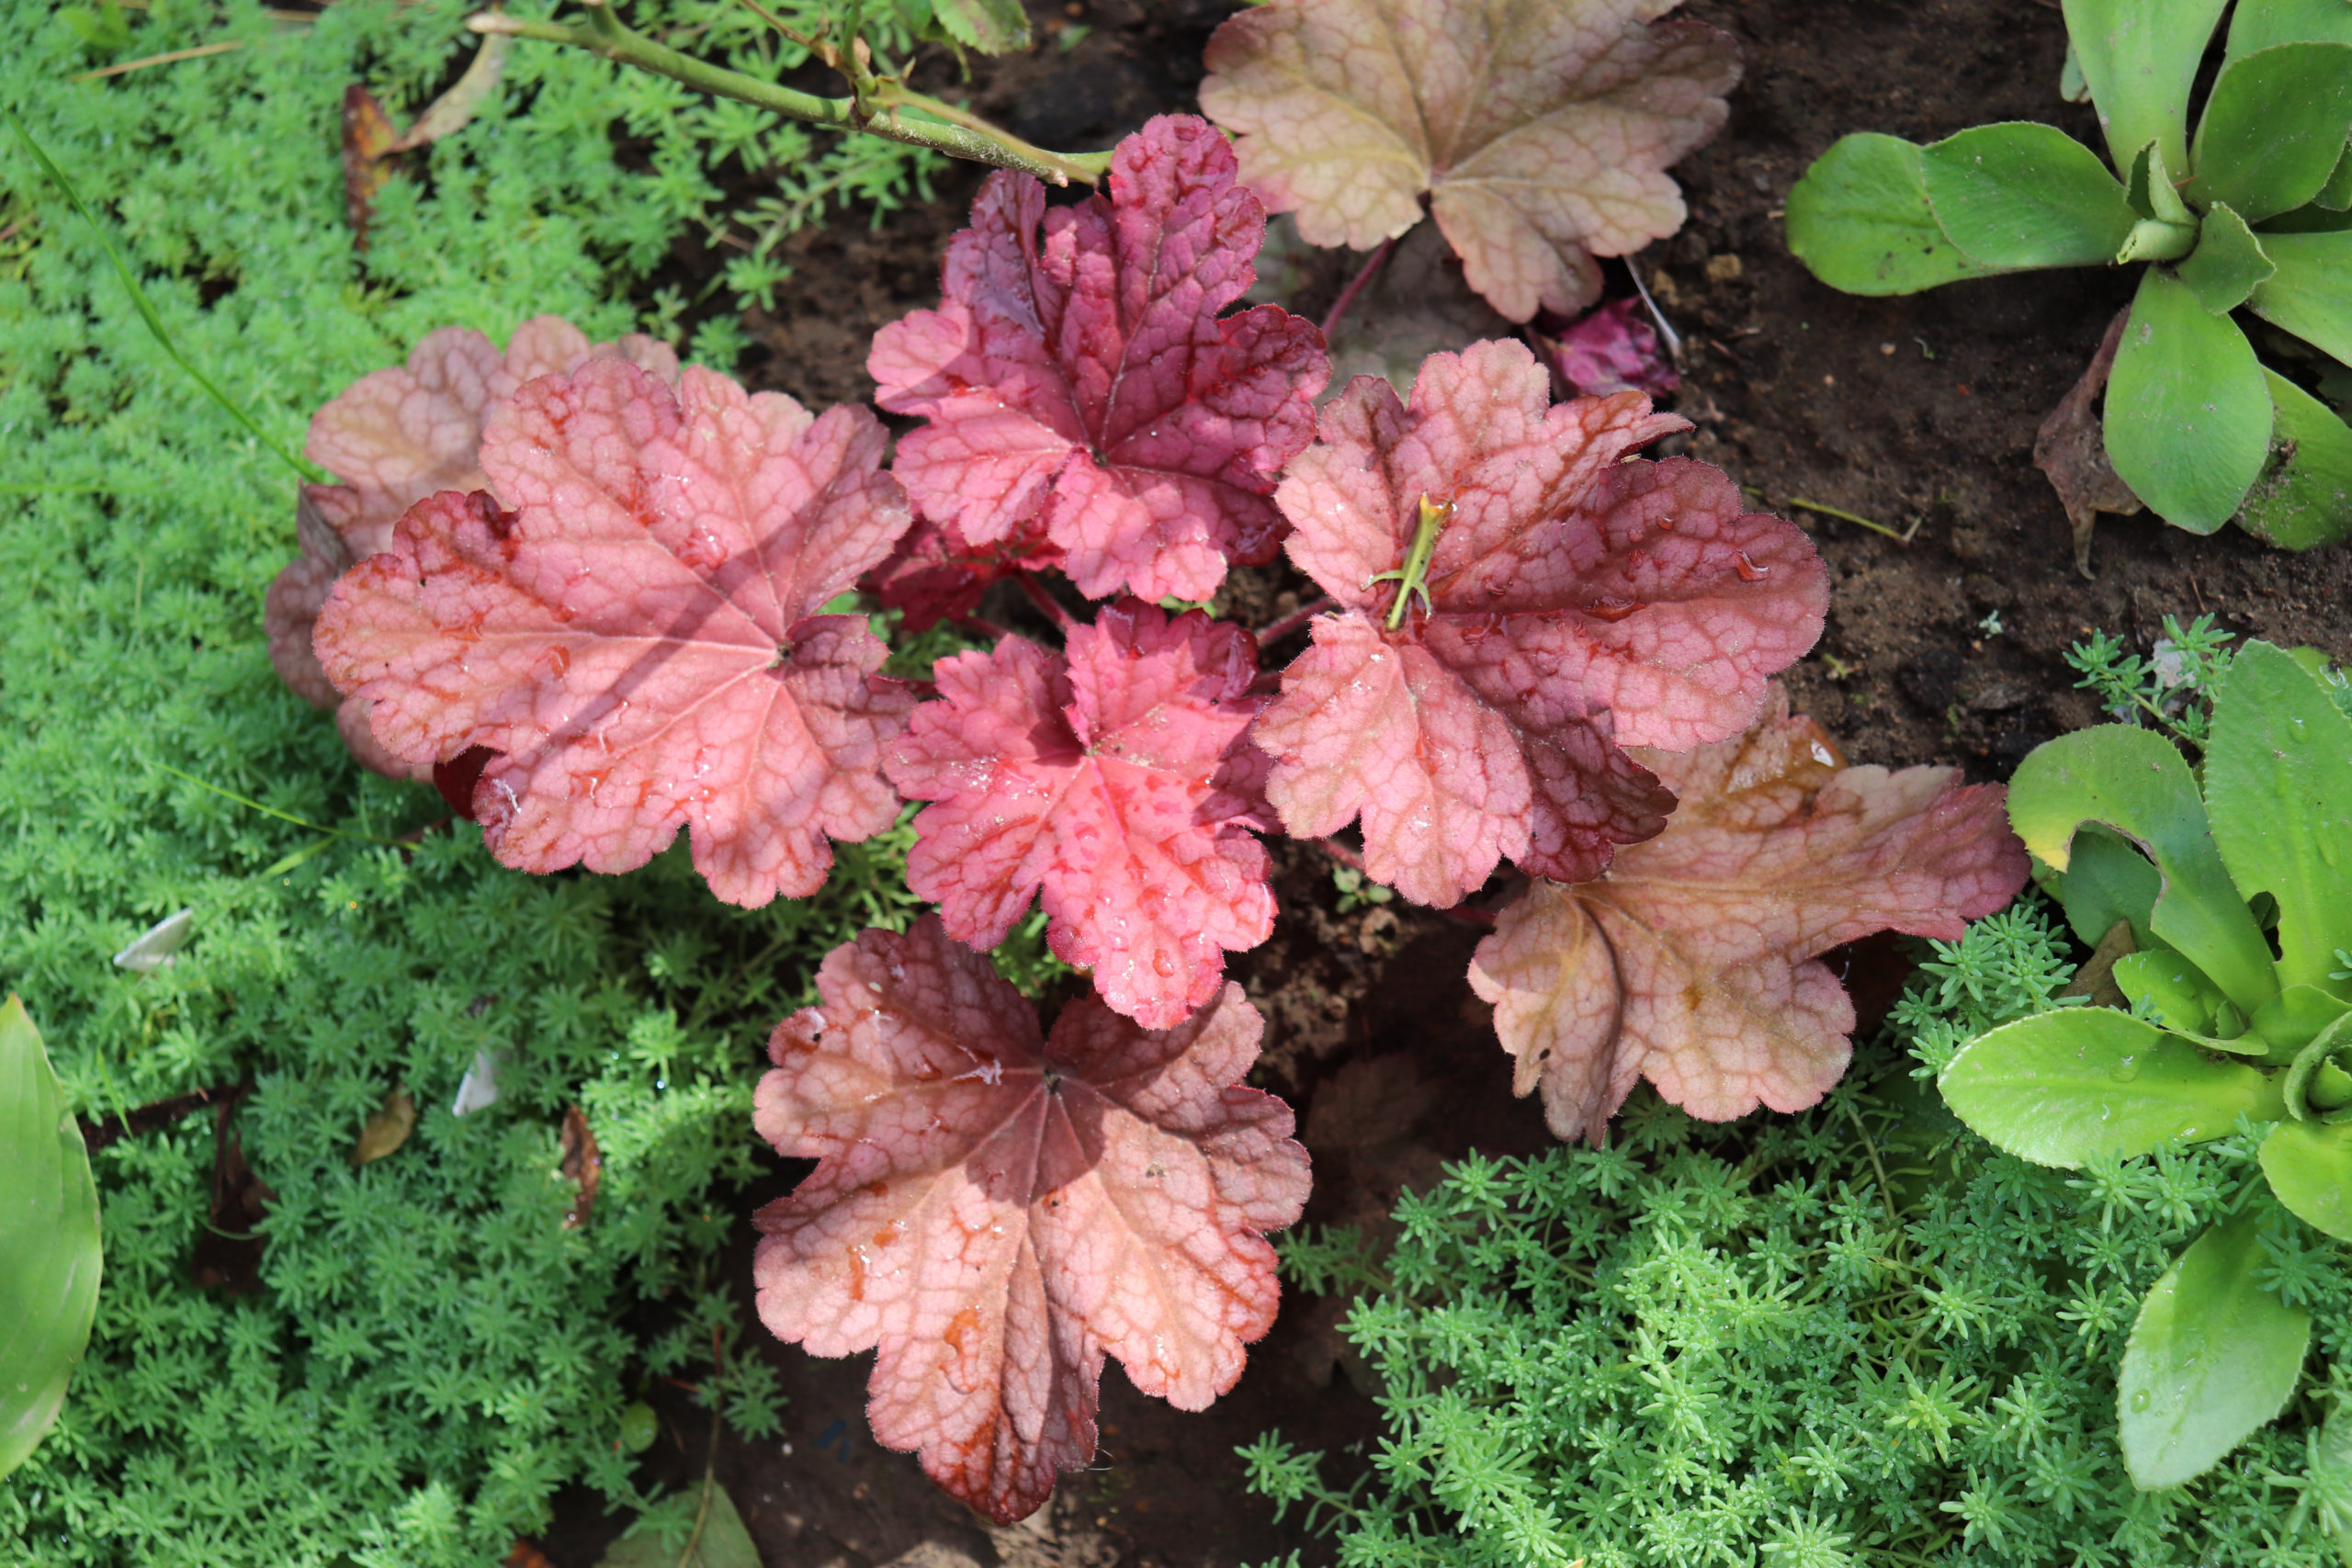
1275,631
1356,286
1050,607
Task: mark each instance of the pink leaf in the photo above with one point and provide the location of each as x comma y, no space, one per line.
936,574
639,638
1612,349
397,436
1578,603
1691,961
1541,134
1087,378
1121,782
994,1212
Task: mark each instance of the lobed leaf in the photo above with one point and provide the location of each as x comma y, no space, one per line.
1079,371
396,436
639,641
993,1212
937,574
1540,135
1693,963
1576,603
1120,781
1612,349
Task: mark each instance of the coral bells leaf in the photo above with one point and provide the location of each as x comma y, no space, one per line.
1121,781
1540,133
1518,603
396,436
937,574
638,639
1691,963
1612,349
1087,376
994,1212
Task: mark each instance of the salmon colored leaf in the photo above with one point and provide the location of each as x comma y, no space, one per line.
1121,781
1540,133
1691,963
638,639
1087,377
1518,603
936,574
396,436
994,1212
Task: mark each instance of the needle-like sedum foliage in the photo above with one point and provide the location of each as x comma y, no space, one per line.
1856,1335
426,1352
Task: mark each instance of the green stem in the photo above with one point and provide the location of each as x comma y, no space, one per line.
273,811
961,136
147,309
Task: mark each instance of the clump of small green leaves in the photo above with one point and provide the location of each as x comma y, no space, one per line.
2219,900
2250,213
2170,689
1860,1335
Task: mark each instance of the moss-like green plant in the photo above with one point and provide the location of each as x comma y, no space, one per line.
1859,1335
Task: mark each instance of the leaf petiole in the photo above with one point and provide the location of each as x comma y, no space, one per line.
1413,576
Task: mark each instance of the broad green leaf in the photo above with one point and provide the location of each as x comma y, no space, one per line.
1860,220
2080,1084
2274,128
2227,263
2134,781
2187,411
2336,194
2305,498
2260,24
2158,980
2022,195
2106,880
697,1528
2316,1087
2292,1019
2279,786
2310,294
2310,1167
2212,1358
50,1259
992,27
2140,57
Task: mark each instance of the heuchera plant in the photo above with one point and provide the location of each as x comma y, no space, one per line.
1693,962
2251,214
1539,135
623,633
2184,881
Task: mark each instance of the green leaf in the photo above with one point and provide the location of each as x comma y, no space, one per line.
2274,128
2260,24
50,1260
2140,57
2293,1019
2305,498
992,27
2212,1358
2311,295
2227,263
2079,1084
2161,981
1860,220
2022,195
2279,786
2187,411
2106,880
2149,191
2335,196
693,1530
2134,781
2310,1167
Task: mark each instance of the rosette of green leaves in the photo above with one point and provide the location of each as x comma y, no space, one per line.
2223,897
2253,213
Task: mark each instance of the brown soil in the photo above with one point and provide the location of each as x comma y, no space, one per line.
1918,413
